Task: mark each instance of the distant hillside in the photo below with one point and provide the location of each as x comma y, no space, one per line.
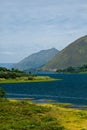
36,60
7,65
73,55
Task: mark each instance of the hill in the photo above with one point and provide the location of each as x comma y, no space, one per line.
36,60
75,54
7,65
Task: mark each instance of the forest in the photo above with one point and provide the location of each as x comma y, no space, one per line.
81,69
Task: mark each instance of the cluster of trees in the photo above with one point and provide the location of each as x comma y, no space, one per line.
13,73
71,69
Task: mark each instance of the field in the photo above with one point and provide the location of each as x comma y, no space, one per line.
24,115
27,79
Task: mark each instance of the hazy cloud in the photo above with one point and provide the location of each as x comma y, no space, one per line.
27,26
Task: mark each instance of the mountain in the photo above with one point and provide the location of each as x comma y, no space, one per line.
36,60
75,54
6,65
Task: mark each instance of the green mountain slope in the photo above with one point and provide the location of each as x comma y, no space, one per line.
73,55
36,60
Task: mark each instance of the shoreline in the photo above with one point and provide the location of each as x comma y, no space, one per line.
37,79
41,116
50,102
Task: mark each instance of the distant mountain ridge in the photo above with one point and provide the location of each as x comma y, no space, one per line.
36,60
7,65
75,54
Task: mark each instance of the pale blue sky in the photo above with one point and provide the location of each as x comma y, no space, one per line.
28,26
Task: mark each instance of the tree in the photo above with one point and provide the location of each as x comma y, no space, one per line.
70,69
2,93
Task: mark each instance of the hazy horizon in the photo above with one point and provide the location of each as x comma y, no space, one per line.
27,27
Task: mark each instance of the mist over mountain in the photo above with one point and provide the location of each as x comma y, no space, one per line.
36,60
75,54
6,65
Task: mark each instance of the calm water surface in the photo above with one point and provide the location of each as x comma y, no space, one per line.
71,89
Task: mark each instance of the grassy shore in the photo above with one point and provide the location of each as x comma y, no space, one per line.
26,79
24,115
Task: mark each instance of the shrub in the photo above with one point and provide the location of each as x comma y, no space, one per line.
2,93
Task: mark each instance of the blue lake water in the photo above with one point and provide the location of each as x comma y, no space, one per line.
71,89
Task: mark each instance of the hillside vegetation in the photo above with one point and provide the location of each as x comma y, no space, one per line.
73,55
81,69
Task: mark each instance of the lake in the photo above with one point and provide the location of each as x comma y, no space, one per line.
71,89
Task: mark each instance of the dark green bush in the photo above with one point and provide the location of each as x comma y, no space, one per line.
2,93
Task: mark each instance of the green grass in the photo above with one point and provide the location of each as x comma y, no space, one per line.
24,115
26,79
21,115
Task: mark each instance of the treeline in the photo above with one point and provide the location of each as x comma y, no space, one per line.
13,73
81,69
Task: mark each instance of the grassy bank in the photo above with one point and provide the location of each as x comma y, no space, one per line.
24,115
17,76
27,79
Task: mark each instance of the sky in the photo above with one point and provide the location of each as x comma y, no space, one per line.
28,26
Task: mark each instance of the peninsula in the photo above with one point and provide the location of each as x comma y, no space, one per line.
17,76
